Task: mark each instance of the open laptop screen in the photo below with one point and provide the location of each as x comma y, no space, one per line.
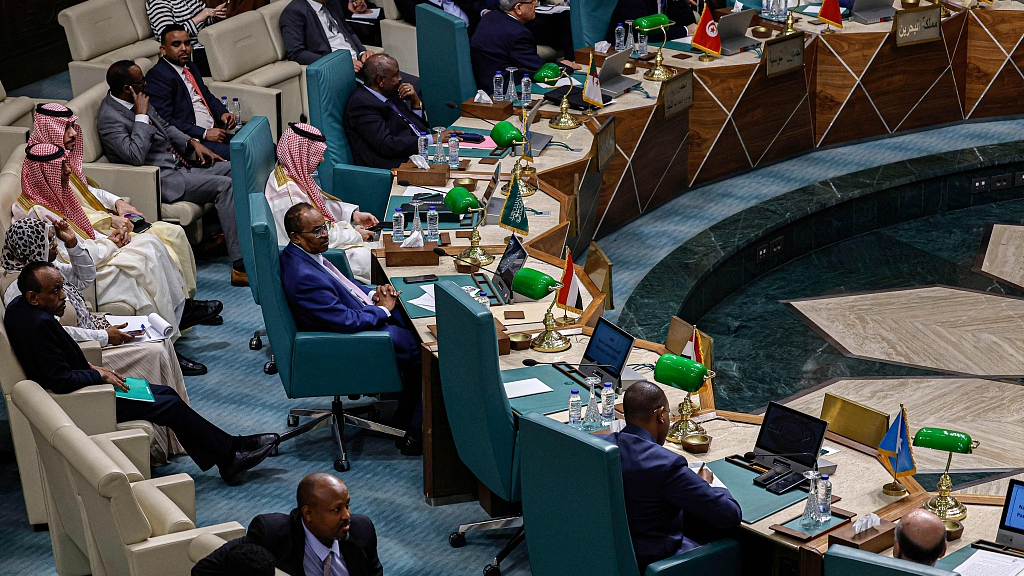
609,345
1013,509
511,261
788,431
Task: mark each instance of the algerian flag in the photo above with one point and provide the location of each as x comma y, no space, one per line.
513,213
592,87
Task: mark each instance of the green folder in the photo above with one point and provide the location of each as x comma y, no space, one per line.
138,389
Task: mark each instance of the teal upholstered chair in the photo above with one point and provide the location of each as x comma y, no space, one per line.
846,561
330,82
478,410
570,480
589,20
368,358
446,71
253,158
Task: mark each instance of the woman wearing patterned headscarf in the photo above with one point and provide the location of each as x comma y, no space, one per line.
56,124
137,272
299,151
32,240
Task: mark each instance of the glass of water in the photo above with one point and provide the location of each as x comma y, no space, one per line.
440,150
510,94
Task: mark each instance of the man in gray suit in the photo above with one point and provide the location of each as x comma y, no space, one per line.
134,134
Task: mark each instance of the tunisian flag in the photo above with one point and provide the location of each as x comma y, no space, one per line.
706,36
831,13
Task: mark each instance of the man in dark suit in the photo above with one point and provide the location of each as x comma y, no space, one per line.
384,117
320,536
133,134
678,11
658,485
51,358
502,40
312,29
176,89
322,299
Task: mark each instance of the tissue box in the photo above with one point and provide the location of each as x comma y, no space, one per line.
877,539
438,174
583,55
498,111
395,255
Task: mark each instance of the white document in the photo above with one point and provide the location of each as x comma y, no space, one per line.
551,9
156,327
426,302
429,289
565,82
814,9
716,483
985,563
527,387
371,15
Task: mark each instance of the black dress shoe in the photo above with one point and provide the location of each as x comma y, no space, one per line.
411,444
190,367
199,312
215,321
256,441
232,471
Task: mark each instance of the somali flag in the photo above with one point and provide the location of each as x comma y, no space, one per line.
897,455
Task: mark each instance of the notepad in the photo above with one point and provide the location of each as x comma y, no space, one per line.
372,14
138,389
527,387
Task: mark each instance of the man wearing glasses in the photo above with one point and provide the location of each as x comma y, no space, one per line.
323,299
502,40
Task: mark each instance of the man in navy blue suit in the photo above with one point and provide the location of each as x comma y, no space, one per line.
658,485
177,91
322,299
502,40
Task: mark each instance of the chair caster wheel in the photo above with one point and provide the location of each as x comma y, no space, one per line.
293,421
270,368
342,465
491,570
457,539
256,343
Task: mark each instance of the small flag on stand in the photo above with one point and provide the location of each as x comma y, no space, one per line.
592,86
895,447
513,213
831,12
569,294
692,350
706,36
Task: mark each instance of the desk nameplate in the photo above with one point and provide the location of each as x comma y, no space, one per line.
917,25
784,54
677,93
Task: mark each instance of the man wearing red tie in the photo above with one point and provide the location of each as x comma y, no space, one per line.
176,89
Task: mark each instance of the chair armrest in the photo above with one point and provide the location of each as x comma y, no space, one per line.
368,357
169,554
142,182
181,489
163,515
90,408
93,352
129,449
10,138
255,100
721,557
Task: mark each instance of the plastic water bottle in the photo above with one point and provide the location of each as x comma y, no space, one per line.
607,404
575,408
620,38
423,147
236,109
398,226
224,103
453,152
432,234
824,490
499,92
641,41
527,94
484,299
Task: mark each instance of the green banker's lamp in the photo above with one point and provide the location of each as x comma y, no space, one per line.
535,284
944,505
549,74
648,24
687,375
505,134
460,201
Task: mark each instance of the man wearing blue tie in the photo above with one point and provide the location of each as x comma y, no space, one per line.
322,299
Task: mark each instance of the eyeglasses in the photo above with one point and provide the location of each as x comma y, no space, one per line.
320,230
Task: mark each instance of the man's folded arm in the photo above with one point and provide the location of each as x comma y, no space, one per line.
130,143
714,506
331,314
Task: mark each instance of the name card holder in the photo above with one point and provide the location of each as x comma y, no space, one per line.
917,25
784,54
677,93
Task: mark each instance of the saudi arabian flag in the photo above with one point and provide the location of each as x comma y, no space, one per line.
513,213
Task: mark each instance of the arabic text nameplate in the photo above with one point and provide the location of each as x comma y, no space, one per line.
784,54
917,25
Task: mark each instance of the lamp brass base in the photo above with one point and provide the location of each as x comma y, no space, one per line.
564,120
894,488
946,508
659,73
483,257
550,340
683,428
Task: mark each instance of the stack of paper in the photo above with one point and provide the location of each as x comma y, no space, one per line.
985,563
427,300
156,328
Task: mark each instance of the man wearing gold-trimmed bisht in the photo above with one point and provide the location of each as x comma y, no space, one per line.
299,152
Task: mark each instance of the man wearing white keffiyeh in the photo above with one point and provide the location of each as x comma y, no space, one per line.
299,152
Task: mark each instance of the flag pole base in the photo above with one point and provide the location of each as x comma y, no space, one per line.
828,30
705,57
566,320
894,488
524,174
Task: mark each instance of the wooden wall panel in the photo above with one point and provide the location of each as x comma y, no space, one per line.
32,43
857,120
899,77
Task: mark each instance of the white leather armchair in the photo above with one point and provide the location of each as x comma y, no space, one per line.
399,38
101,32
15,121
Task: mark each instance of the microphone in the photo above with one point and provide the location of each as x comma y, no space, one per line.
532,362
441,252
455,106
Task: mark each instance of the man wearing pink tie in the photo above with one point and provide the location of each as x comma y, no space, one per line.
323,299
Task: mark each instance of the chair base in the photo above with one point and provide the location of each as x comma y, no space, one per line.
458,539
337,418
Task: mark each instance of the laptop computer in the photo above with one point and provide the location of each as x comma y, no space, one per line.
872,11
609,346
610,77
511,261
732,28
789,438
1011,523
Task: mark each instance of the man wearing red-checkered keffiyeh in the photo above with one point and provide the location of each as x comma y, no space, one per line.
299,151
56,124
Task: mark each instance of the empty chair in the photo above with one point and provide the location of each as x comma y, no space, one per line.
15,121
448,79
399,38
